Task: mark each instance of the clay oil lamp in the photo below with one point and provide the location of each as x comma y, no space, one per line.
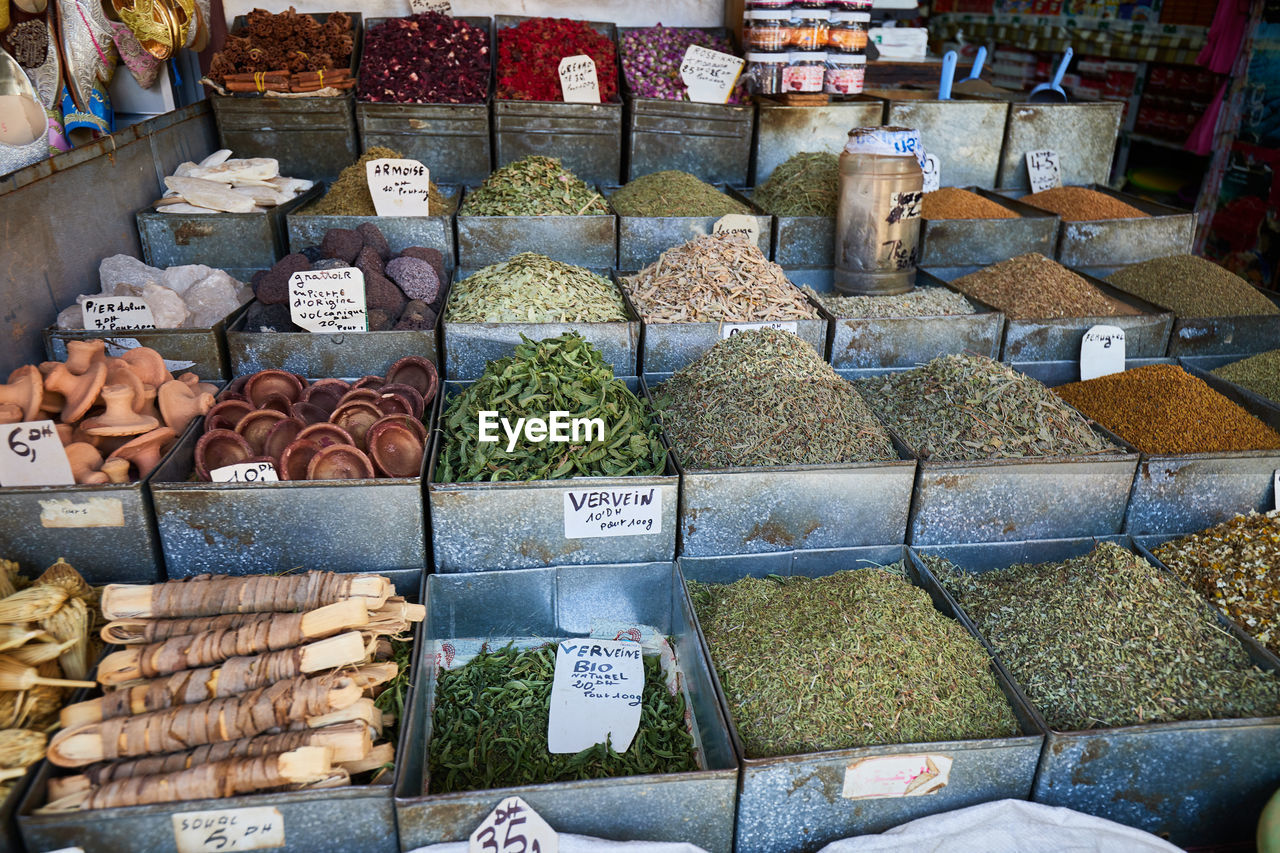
218,448
340,462
396,450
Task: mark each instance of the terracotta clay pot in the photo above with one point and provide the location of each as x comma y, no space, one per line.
255,426
225,414
82,354
116,470
119,418
25,390
395,449
218,448
280,436
326,393
296,457
265,382
373,383
118,373
412,424
356,418
81,392
327,434
146,451
340,462
277,403
85,460
358,395
418,372
181,403
310,413
148,365
414,404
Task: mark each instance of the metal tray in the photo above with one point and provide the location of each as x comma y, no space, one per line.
451,139
1146,333
472,529
642,239
1193,782
964,242
434,232
1083,134
1111,242
783,130
870,342
590,240
239,243
965,136
567,601
796,802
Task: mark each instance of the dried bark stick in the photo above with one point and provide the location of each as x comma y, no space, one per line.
211,595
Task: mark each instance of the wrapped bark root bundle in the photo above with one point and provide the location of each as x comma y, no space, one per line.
231,685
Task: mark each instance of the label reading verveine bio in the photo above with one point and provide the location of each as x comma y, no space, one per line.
612,512
595,695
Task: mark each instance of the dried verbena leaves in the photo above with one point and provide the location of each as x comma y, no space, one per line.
855,658
807,184
765,397
673,193
966,407
1107,639
1259,373
534,186
532,288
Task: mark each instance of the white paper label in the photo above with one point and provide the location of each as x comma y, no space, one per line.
95,512
931,172
257,828
738,223
728,330
328,300
578,84
905,205
1043,170
441,6
513,827
117,312
399,187
1277,489
612,512
31,454
709,74
245,472
896,776
1101,352
68,850
595,695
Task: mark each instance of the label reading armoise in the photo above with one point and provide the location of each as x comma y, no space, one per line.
245,472
738,223
399,187
117,312
728,330
328,300
1101,352
31,454
612,512
258,828
595,695
709,74
896,776
513,827
578,83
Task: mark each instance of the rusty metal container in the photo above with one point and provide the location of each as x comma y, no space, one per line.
1083,134
965,136
784,130
1111,242
978,242
641,239
590,240
433,232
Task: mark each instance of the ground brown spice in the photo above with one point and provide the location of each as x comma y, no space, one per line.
1162,409
1032,287
1077,204
955,203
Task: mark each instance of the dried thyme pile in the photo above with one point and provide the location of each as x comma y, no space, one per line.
532,288
852,659
562,374
1107,639
489,727
1192,287
765,397
1234,566
1259,373
717,277
971,407
921,302
673,193
349,195
807,184
534,186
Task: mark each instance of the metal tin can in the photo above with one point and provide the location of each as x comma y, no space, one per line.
878,218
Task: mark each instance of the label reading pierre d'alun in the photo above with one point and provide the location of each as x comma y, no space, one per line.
31,454
117,312
399,187
328,300
612,512
256,828
513,827
709,74
595,695
578,83
1044,170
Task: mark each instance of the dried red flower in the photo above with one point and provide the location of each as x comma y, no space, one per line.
529,57
427,58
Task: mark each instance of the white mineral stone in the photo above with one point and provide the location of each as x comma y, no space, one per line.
120,270
210,299
179,279
167,307
71,317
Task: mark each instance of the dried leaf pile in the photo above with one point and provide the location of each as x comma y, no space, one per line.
532,288
534,186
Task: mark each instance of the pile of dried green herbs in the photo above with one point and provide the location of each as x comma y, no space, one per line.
855,658
562,374
532,288
971,407
921,302
489,727
765,397
807,184
534,186
1234,565
349,195
673,193
1107,639
1259,373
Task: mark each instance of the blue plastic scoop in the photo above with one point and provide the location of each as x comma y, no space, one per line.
1051,93
948,75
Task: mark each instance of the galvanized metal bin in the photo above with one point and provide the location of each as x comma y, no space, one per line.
469,346
1193,783
1111,242
641,239
1187,492
540,605
199,351
797,802
1083,134
1146,332
1202,366
472,527
311,137
1008,500
451,139
784,130
587,138
667,347
965,136
318,354
433,232
965,242
239,243
869,342
803,241
590,240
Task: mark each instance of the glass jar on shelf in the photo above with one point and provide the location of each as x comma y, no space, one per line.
764,71
846,73
806,71
848,31
770,30
809,29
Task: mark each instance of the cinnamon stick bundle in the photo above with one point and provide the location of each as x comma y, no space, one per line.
238,88
211,595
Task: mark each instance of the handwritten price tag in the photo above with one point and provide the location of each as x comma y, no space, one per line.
245,472
1044,170
513,827
1101,352
595,695
441,6
117,312
612,512
328,300
709,74
904,206
578,83
31,455
728,330
399,187
896,776
258,828
932,176
738,223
